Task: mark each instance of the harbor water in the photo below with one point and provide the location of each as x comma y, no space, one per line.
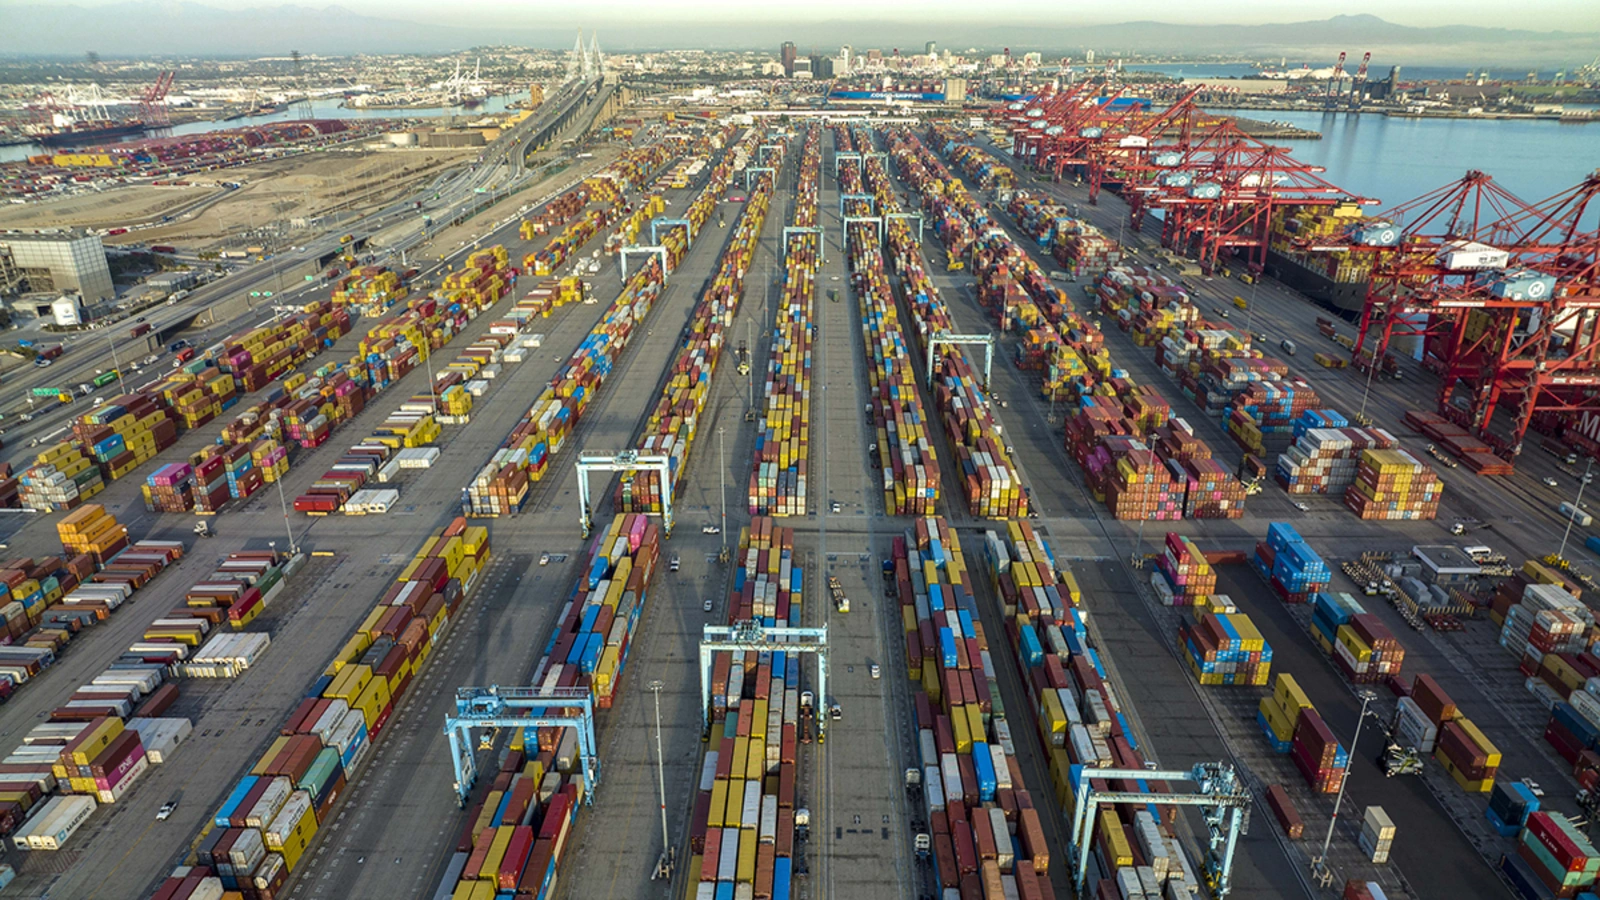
320,109
1394,160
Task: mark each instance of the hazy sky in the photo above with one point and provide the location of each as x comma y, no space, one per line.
1551,15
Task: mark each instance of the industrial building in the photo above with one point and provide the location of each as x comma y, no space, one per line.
61,261
1445,565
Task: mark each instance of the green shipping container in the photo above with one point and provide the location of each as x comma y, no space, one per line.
324,768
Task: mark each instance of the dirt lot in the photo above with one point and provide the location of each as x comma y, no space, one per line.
274,193
451,238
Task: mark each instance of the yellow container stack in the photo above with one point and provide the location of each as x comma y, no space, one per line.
90,529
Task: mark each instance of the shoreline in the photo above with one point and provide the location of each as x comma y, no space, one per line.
1583,117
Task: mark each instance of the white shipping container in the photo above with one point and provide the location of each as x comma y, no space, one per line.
247,851
65,820
209,889
287,818
271,802
268,870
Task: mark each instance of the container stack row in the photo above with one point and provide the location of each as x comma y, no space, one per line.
1554,858
1266,416
1287,563
673,423
594,631
1081,727
268,820
783,439
370,289
1362,648
1393,485
989,478
1279,712
47,602
1225,648
515,837
742,830
905,454
1183,576
1460,747
500,487
1325,459
987,836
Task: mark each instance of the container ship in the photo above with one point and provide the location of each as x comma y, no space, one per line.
83,134
1337,281
932,91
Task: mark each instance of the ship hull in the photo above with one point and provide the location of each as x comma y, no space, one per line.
90,136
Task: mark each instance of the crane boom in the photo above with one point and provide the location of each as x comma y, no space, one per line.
1360,81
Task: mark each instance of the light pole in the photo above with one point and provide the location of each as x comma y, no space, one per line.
668,852
1319,862
284,504
1577,504
114,362
722,476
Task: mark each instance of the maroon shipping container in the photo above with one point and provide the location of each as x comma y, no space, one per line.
1433,701
1283,808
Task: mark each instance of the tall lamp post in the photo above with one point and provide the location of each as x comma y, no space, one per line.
669,853
1577,504
1319,865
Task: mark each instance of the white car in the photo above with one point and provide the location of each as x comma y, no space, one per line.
544,559
836,507
165,811
710,529
707,605
1301,506
1551,482
876,672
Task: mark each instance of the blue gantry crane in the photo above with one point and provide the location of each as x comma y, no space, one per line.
497,707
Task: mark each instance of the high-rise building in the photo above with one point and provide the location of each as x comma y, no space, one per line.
1088,57
802,68
61,260
930,48
821,66
787,54
846,59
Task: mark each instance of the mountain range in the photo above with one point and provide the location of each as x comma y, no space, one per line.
180,28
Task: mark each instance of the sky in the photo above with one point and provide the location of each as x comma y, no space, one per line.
1565,15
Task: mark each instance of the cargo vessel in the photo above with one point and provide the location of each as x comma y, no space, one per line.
1343,297
83,134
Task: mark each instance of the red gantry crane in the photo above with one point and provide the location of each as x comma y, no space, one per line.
1541,331
152,104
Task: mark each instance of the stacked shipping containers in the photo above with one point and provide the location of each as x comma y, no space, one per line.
1362,648
988,477
501,485
783,440
743,825
909,461
1290,567
987,834
671,427
1394,485
1080,725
